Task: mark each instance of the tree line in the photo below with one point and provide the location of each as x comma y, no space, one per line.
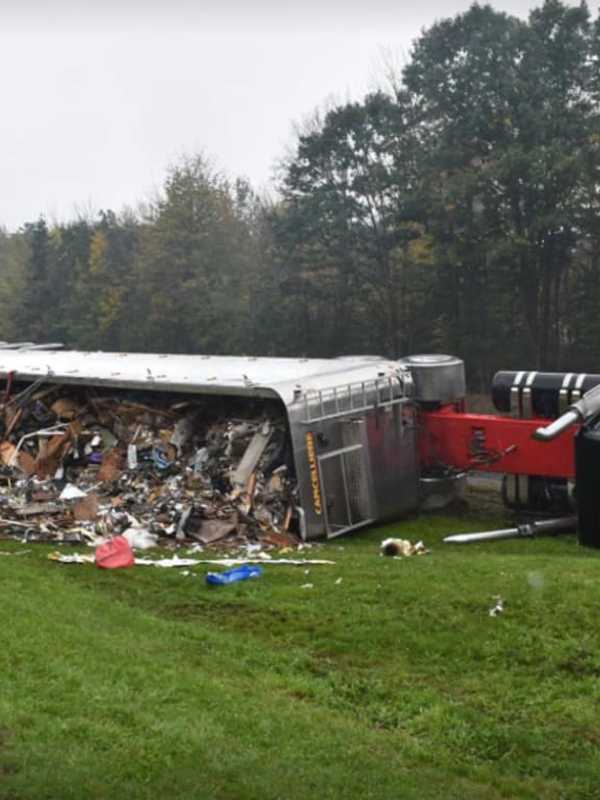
456,210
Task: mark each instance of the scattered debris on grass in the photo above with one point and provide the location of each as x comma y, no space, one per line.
498,608
115,554
402,548
242,573
535,579
81,558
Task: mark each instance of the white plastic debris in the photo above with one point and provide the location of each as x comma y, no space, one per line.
132,457
166,563
339,580
227,562
200,460
253,548
71,492
402,548
79,558
498,608
307,586
140,538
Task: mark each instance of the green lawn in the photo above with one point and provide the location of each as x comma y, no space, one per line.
394,683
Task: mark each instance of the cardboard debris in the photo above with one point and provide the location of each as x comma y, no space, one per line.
27,463
214,530
87,508
13,417
112,465
65,408
7,453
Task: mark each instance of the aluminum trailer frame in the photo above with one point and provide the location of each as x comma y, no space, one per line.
351,419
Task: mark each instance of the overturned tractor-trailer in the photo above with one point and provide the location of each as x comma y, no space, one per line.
371,438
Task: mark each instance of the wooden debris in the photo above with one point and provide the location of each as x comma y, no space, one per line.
112,465
65,408
214,530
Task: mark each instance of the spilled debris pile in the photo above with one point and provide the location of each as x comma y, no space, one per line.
81,465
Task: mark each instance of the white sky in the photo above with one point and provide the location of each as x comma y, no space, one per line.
97,98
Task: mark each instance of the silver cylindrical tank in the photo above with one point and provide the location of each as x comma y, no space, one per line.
438,378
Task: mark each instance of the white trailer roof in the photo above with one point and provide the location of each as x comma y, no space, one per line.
199,374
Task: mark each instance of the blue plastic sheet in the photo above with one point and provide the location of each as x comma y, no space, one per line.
234,575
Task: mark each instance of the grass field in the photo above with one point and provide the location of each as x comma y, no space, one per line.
393,683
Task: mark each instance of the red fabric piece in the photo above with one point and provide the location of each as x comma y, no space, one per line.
115,554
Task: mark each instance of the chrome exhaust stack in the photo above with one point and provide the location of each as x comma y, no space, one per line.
581,411
528,530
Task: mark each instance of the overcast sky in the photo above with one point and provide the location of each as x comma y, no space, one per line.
95,104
